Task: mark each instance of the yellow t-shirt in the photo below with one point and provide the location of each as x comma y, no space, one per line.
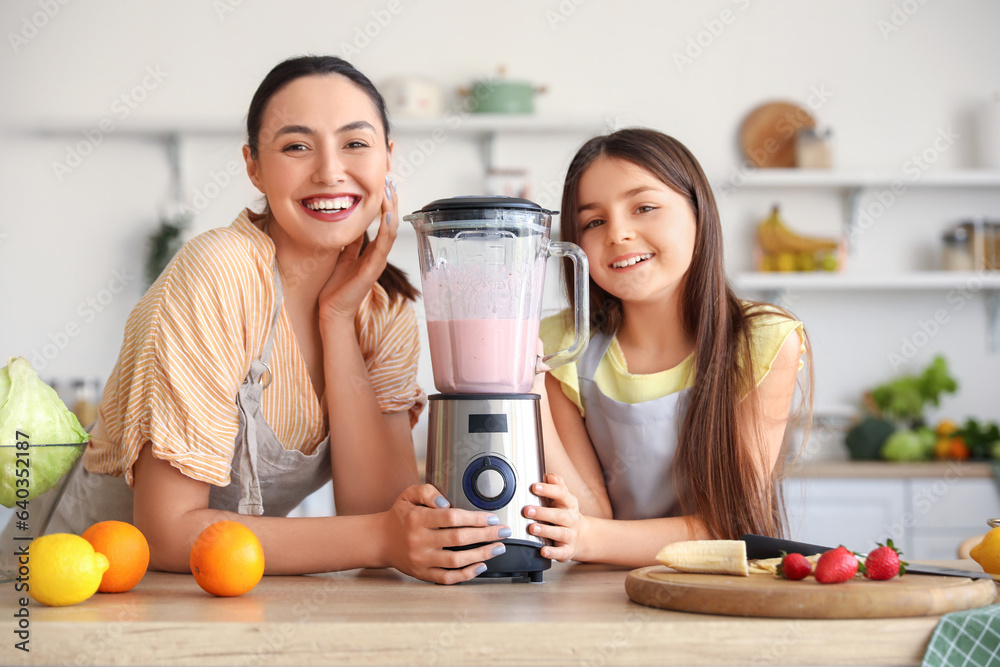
615,381
188,346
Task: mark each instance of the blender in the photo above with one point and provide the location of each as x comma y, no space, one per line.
482,271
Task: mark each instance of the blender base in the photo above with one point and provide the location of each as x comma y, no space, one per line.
522,560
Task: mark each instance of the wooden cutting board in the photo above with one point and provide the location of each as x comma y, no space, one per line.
768,133
768,596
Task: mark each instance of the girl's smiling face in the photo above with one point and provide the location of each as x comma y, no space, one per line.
321,162
638,233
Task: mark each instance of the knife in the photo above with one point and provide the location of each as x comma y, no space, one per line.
761,546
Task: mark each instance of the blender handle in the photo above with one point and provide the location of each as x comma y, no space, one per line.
581,319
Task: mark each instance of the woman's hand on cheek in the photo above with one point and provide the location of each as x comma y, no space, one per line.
357,271
560,522
420,527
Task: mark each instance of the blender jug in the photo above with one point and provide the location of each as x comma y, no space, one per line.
482,270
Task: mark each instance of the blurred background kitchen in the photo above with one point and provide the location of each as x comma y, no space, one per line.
875,125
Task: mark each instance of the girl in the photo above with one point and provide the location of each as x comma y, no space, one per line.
670,426
278,352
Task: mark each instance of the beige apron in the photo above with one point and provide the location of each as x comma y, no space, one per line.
635,442
266,479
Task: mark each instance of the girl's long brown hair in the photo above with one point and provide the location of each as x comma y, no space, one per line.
718,464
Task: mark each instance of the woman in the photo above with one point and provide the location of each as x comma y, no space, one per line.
277,353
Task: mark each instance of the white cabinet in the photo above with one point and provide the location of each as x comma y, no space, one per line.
927,517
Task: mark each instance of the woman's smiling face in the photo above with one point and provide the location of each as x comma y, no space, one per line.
321,162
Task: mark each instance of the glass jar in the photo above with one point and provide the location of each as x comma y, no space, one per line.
956,255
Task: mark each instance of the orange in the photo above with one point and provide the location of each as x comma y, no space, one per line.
227,559
127,552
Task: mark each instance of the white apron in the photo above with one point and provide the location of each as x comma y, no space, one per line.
266,479
634,442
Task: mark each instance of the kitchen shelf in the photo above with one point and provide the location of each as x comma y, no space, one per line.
777,286
483,128
915,280
823,178
854,183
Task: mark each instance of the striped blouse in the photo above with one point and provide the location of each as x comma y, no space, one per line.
188,346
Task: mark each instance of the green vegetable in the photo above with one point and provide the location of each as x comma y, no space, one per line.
979,437
905,445
905,397
865,440
31,411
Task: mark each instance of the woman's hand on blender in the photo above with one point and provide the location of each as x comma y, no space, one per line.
421,525
357,270
560,522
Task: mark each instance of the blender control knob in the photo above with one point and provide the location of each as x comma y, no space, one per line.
489,482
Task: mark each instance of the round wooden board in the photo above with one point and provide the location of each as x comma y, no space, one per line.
767,136
768,596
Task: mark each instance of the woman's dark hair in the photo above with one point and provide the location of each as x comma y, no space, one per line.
393,280
717,465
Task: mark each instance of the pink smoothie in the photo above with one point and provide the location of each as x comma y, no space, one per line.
483,356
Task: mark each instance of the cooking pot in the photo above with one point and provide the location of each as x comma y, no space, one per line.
502,95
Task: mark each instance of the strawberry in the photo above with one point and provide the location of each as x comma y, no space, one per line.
794,566
836,565
883,562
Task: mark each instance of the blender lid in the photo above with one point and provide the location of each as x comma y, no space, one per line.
485,201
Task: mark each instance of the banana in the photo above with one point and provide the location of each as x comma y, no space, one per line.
775,237
706,556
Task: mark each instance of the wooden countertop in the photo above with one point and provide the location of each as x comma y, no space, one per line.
892,470
579,616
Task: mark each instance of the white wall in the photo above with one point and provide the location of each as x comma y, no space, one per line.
888,88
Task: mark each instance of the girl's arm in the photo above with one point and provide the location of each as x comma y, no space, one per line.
568,450
635,543
171,510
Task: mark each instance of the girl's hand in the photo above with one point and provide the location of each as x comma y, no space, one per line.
561,522
357,271
420,525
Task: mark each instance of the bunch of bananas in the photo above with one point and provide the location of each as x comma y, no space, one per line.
784,250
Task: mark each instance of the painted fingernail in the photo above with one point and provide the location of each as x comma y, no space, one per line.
499,549
387,180
388,192
388,217
393,184
505,532
441,501
481,568
492,520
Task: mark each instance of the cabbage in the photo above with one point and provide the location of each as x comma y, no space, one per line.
32,408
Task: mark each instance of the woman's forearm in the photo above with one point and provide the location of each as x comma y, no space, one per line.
291,545
372,461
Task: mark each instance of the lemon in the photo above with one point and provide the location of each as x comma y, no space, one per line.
63,569
987,552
